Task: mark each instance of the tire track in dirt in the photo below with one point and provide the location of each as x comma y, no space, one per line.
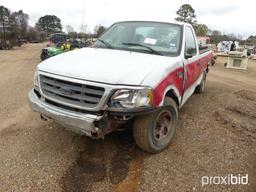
240,117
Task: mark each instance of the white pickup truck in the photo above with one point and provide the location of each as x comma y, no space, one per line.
137,73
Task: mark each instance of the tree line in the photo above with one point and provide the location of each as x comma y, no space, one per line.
84,31
15,28
186,14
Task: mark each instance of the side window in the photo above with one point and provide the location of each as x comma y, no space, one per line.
190,44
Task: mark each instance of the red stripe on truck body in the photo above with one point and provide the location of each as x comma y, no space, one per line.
171,79
193,72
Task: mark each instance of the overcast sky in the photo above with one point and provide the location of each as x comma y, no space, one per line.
228,16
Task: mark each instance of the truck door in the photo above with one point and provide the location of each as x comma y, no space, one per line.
203,65
191,61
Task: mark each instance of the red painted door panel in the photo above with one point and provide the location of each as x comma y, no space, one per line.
191,74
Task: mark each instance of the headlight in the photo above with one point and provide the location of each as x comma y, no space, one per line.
36,79
132,98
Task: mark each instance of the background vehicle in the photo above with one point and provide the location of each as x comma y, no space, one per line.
50,52
69,45
138,72
53,48
60,43
56,39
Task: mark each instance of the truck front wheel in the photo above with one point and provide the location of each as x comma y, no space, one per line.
154,132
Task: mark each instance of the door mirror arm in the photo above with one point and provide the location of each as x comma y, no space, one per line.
187,56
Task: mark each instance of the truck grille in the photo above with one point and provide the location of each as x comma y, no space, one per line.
70,93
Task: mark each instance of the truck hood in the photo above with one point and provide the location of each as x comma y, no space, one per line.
104,65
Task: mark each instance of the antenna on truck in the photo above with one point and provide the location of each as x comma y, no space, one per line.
83,15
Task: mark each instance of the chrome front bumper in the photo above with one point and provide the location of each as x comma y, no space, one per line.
77,122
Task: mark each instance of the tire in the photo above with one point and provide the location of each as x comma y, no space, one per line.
43,56
145,129
201,87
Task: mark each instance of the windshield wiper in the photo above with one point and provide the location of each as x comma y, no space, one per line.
105,43
145,46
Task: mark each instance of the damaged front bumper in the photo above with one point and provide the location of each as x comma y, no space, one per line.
77,122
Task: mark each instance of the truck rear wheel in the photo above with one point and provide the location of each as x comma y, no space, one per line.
201,87
154,132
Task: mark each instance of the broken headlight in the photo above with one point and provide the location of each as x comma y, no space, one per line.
132,98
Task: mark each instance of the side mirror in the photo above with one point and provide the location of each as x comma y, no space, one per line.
187,56
190,52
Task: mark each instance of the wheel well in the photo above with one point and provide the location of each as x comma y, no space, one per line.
173,95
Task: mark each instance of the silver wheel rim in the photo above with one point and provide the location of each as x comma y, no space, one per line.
163,125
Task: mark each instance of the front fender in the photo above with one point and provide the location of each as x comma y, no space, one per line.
159,96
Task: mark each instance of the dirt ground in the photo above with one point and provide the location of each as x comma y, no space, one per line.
216,137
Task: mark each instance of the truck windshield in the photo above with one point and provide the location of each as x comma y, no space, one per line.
147,37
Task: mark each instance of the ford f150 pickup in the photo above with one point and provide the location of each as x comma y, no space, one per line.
137,73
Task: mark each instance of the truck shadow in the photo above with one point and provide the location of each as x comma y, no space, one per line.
107,161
